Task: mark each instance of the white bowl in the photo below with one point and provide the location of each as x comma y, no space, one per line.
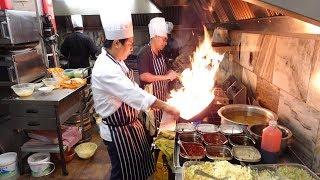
47,89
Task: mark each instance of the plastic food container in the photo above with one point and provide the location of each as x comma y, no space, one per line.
23,89
216,139
50,82
207,128
38,85
228,129
238,139
219,152
185,127
194,150
46,90
190,137
246,153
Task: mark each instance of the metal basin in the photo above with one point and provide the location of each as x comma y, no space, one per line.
256,132
247,115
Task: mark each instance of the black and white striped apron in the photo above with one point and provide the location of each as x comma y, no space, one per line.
131,145
160,88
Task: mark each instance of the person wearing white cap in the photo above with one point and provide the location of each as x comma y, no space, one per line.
117,99
78,47
152,64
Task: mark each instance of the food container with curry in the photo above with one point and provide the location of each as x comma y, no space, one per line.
219,152
194,150
216,139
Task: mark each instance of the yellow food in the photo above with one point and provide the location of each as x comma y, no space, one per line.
247,118
24,93
58,73
218,169
73,83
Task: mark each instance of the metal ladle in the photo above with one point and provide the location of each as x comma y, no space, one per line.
202,173
181,145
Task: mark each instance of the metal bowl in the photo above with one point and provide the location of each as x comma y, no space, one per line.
207,128
236,140
246,154
185,128
247,110
256,132
195,150
219,153
216,139
190,137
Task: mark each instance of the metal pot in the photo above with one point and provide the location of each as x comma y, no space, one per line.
256,132
247,109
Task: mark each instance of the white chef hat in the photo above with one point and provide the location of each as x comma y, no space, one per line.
116,21
169,27
157,26
76,21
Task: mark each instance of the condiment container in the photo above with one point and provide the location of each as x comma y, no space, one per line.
207,128
246,153
194,150
271,143
219,153
214,139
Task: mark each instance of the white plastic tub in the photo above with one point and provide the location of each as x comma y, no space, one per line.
8,165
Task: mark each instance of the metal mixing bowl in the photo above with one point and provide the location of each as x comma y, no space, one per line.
247,109
256,132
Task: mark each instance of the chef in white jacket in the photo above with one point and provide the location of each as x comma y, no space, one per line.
117,99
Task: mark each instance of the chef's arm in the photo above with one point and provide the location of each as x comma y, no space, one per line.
158,104
148,77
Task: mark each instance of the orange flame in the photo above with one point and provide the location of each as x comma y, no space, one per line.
198,82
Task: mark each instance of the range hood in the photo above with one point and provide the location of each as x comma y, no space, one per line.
285,16
83,7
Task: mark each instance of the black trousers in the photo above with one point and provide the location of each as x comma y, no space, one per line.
115,162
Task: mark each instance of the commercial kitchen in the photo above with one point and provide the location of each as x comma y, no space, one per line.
160,89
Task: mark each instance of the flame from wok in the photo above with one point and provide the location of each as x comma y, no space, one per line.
198,81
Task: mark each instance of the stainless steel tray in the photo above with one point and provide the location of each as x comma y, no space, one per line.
273,167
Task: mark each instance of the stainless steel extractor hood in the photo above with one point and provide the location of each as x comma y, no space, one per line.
84,7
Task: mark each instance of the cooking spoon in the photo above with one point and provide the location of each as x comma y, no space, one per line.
181,145
202,173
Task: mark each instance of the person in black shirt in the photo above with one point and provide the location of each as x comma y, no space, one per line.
77,48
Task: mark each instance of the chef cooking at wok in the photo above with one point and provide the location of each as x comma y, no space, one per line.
117,99
153,68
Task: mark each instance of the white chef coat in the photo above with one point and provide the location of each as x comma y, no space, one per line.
111,87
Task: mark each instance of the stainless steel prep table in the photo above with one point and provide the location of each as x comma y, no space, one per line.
45,112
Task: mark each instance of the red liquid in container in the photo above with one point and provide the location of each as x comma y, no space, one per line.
5,4
271,143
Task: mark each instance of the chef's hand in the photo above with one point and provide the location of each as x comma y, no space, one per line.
172,75
158,104
172,111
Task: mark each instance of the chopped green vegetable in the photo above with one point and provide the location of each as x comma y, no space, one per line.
293,173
